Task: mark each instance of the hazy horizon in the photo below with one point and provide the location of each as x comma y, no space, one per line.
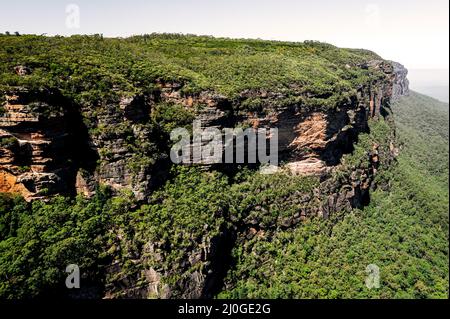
414,33
431,82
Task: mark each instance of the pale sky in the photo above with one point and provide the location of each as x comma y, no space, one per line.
412,32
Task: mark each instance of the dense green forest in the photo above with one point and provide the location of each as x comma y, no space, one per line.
85,68
404,230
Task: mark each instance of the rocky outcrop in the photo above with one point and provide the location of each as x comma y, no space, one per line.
36,159
22,70
121,140
400,81
198,275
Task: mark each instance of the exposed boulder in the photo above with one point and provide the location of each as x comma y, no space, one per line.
22,70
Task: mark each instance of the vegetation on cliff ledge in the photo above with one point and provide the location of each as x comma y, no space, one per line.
90,69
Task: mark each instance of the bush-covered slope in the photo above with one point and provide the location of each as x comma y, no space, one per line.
404,230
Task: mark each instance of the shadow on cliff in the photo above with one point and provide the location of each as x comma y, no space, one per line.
343,133
79,147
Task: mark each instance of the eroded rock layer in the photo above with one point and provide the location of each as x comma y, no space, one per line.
46,150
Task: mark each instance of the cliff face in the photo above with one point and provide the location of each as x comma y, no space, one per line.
46,150
312,142
51,144
35,151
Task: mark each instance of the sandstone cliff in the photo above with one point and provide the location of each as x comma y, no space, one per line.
44,133
52,143
312,142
